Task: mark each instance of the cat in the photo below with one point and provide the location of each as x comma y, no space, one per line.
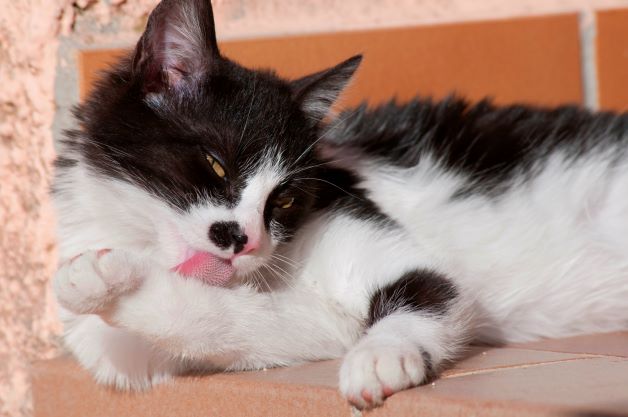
213,217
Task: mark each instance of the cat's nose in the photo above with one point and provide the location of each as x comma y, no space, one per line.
240,238
226,234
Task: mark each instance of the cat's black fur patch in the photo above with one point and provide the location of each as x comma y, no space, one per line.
341,192
361,207
153,119
489,145
420,290
239,118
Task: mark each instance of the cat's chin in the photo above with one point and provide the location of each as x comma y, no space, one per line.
247,264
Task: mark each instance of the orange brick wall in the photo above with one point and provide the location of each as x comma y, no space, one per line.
612,59
533,60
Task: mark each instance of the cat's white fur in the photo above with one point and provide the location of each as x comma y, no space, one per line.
545,259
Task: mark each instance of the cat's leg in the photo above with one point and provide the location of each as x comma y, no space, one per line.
237,328
418,323
114,356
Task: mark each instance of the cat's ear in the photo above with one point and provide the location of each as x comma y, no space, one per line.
178,46
316,93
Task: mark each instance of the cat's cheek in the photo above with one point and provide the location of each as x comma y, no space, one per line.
283,227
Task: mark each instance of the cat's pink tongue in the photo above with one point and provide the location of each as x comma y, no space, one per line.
206,267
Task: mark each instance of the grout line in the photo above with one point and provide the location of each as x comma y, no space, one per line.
567,352
588,59
520,366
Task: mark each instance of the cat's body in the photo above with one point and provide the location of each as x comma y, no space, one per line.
392,237
524,208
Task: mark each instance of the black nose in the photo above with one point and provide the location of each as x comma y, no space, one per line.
225,234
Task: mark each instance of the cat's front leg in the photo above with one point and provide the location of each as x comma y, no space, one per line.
238,328
87,287
418,324
90,282
116,357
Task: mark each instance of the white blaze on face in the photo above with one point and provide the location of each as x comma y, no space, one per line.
249,213
194,227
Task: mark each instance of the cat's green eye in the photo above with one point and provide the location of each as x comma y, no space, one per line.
218,169
285,202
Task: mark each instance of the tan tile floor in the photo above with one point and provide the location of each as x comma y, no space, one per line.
583,376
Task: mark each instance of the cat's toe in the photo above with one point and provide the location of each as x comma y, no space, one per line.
122,271
78,285
372,372
89,282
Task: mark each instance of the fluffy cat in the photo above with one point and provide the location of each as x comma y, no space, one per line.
210,220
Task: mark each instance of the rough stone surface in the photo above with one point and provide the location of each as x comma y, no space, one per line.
29,38
27,256
30,34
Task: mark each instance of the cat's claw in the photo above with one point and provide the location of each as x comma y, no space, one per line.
90,282
373,371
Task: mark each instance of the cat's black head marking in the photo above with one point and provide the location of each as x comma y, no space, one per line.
156,116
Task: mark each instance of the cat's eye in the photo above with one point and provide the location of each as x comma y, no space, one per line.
218,169
285,202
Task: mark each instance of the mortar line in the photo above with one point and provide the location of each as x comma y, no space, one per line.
555,350
588,59
518,366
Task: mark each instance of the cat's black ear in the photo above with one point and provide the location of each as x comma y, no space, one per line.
178,46
316,93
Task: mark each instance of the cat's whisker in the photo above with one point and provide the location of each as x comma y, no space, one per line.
286,260
286,264
255,277
280,273
311,194
284,273
325,133
297,171
330,183
263,281
275,274
248,115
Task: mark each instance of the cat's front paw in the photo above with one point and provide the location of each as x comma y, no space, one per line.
90,282
374,370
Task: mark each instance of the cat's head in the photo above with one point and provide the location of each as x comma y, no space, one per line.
215,157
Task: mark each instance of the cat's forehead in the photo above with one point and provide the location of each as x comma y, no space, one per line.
248,121
242,91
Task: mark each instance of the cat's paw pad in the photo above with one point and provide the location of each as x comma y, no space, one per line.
91,281
371,372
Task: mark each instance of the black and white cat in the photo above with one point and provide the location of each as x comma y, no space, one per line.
209,219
